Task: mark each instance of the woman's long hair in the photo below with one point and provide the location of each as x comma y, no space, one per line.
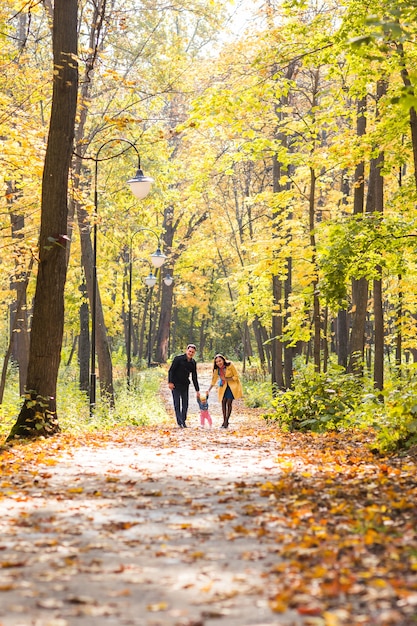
224,361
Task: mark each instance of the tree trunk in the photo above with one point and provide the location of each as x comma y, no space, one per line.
378,302
360,287
325,339
84,342
288,350
13,325
38,415
342,338
276,344
398,337
105,367
316,300
164,327
279,313
277,370
413,115
19,315
169,228
379,335
256,326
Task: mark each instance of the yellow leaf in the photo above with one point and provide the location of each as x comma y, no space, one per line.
160,606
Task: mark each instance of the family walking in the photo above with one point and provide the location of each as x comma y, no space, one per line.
225,377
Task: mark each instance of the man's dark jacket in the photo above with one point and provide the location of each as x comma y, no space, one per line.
180,370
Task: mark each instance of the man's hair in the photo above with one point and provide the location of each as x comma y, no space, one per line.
191,345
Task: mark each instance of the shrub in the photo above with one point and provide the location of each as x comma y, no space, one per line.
257,387
258,395
397,420
318,401
139,405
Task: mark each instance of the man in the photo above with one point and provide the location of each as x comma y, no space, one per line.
179,381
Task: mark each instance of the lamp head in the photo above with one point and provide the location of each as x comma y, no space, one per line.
158,258
140,185
168,280
150,280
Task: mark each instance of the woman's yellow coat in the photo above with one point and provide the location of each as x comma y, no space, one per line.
232,379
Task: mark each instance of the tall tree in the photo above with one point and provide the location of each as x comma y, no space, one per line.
38,414
359,286
378,302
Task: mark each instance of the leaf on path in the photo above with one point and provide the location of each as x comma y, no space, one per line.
159,606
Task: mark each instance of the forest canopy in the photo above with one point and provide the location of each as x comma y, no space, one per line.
282,140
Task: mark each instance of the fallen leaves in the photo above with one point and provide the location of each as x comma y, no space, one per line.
253,522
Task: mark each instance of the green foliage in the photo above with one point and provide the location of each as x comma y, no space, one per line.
258,395
396,426
10,407
355,247
336,400
135,407
257,387
318,401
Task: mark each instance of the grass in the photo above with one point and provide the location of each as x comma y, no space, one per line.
140,405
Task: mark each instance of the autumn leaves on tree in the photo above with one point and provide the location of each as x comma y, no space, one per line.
284,165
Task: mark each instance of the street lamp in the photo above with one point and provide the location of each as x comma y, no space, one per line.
140,186
157,259
150,280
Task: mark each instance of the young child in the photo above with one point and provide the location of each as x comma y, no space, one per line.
204,412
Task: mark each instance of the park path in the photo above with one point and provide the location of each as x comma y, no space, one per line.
159,526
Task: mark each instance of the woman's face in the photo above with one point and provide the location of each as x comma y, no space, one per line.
219,361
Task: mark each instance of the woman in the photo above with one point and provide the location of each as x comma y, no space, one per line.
225,376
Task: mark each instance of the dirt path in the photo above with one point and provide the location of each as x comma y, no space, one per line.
160,526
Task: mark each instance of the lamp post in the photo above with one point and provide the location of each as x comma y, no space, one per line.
158,259
140,186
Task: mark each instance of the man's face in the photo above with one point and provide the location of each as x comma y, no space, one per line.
190,352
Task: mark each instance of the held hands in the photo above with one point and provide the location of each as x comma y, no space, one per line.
171,386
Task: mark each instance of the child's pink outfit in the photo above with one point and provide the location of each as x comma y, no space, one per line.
204,412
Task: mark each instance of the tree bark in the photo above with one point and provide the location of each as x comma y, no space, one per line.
359,287
84,342
38,415
19,315
342,338
316,299
277,370
105,367
167,295
412,112
378,302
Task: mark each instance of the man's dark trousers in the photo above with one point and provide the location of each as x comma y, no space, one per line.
180,398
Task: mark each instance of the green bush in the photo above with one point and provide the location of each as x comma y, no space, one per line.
258,394
318,401
257,387
397,419
336,400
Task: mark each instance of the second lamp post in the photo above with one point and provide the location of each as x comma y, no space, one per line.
140,186
157,260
